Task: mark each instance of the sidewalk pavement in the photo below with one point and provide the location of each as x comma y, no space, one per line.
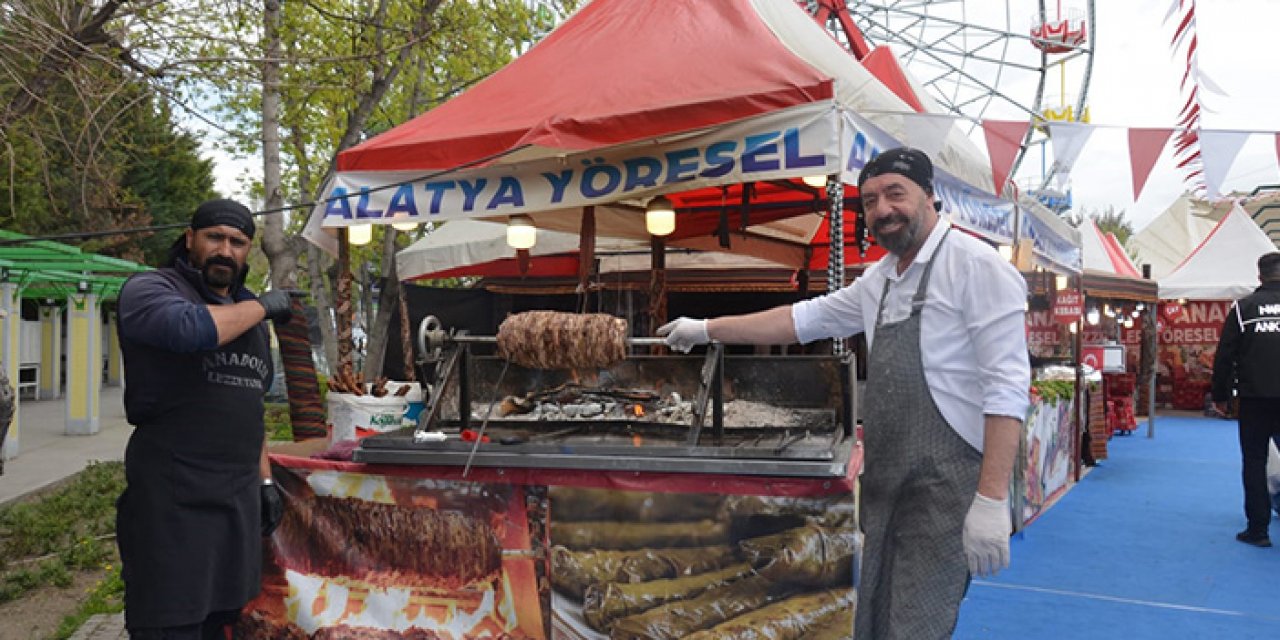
103,626
47,455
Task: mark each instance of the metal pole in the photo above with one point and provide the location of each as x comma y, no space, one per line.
1152,341
835,254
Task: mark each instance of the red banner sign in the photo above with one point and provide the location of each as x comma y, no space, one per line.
1066,307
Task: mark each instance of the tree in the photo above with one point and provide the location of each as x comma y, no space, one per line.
350,71
87,144
325,74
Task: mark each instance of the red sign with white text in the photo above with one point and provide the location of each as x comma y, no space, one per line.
1066,307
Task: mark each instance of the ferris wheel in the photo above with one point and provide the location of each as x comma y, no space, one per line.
981,59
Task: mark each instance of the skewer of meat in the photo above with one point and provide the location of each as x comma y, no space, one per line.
557,340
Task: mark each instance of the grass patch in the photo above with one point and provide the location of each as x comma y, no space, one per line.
44,541
275,418
107,596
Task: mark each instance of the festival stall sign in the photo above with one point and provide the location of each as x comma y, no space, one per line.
1188,340
740,91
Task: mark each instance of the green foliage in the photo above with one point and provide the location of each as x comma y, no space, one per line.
107,596
70,529
121,164
278,423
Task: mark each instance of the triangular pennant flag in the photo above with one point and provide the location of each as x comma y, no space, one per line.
1277,148
1218,150
1144,149
1004,139
928,131
1068,141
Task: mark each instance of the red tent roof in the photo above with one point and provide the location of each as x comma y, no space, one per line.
1123,265
617,71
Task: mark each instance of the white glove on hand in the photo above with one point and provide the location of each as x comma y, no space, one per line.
986,535
683,334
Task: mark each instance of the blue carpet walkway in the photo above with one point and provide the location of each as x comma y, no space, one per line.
1143,547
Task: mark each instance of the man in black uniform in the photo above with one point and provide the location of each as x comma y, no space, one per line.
199,497
1248,360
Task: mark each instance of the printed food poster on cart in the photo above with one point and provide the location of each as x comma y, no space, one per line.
380,556
643,565
1049,436
1188,341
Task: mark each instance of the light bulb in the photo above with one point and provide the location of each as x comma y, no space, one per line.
521,234
817,182
1141,306
1128,323
1073,328
1108,311
660,216
1091,317
405,223
660,223
360,234
1060,282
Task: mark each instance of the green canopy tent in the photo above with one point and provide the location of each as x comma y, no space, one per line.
58,277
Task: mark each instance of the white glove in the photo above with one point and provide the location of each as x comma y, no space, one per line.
986,535
683,334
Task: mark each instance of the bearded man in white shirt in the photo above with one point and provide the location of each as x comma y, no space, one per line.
947,390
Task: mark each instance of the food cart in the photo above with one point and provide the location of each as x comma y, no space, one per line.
640,502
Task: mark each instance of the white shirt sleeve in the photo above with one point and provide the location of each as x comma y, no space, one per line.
994,310
834,315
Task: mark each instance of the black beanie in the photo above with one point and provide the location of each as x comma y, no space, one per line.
912,163
224,212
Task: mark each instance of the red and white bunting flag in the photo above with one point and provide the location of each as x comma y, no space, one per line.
1068,141
1004,138
928,131
1218,150
1145,146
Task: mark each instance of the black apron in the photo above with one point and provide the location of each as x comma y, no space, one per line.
919,481
188,524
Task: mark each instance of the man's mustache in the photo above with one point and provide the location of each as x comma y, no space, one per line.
884,222
221,261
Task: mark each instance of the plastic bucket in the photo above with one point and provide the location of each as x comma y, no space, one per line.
352,417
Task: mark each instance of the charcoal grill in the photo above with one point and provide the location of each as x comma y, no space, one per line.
708,413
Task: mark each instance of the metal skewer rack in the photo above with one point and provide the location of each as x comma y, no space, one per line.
812,397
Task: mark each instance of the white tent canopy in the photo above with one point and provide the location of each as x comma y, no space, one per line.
1224,266
468,243
1166,241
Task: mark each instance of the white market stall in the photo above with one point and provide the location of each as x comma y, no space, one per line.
1194,301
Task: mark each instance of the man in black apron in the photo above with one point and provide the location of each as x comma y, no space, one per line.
947,390
199,497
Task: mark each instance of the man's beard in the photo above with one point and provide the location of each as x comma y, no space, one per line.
220,278
900,241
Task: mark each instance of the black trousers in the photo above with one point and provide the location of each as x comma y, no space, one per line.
214,627
1259,423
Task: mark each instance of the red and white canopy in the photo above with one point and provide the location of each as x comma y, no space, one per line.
1102,252
629,99
1224,266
